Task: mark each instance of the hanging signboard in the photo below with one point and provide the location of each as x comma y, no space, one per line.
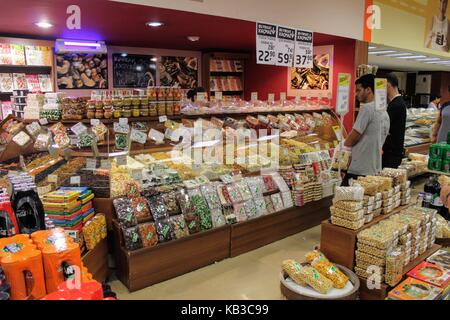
304,49
343,94
266,43
285,46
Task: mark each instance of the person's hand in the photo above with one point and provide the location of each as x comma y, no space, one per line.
433,138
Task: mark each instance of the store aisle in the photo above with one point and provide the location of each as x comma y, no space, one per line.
253,276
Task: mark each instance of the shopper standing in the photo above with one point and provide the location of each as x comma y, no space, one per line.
369,132
435,101
393,149
442,126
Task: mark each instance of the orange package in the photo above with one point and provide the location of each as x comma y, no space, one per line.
22,265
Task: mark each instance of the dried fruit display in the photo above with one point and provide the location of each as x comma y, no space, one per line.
179,70
316,78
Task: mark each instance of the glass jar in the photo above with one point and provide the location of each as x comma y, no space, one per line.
126,101
176,108
99,105
99,114
126,113
153,109
162,94
169,108
135,101
144,103
144,112
90,114
117,113
108,114
135,113
169,94
152,94
161,108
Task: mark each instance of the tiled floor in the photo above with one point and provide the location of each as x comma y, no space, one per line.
254,275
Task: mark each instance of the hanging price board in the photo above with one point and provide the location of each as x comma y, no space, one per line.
285,46
266,43
304,49
343,96
380,94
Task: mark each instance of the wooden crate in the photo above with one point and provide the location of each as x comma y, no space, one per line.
253,234
145,267
96,261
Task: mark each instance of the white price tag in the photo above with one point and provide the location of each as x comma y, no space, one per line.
136,174
218,95
380,94
52,178
283,96
122,160
95,122
155,135
343,97
105,164
201,96
91,163
271,97
79,128
304,49
75,180
123,121
254,96
74,141
266,43
43,121
162,118
285,46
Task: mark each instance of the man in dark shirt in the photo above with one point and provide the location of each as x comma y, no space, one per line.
393,149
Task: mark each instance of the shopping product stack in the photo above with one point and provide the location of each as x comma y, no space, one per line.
347,210
381,189
19,102
430,280
69,207
393,243
285,191
94,231
52,107
440,157
35,104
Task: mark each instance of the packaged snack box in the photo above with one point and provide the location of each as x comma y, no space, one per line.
431,273
442,258
413,289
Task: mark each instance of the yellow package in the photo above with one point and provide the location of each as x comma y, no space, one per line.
320,262
292,268
316,280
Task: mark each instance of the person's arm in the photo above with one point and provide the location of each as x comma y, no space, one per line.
352,139
436,128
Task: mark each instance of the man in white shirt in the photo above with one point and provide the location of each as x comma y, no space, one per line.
369,132
440,29
434,103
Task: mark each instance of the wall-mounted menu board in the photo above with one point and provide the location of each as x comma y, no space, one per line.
133,71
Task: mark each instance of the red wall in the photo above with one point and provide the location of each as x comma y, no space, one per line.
272,79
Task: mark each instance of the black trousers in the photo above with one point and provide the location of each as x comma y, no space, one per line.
391,161
346,180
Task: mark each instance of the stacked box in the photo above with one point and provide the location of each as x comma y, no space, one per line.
35,104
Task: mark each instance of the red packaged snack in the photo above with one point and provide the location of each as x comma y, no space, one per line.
431,273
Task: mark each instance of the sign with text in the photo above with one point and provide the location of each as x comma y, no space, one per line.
380,94
343,96
304,49
266,43
285,46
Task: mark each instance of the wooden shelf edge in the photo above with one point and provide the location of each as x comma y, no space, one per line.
421,258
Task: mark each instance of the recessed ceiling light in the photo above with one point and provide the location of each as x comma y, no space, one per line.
43,24
412,57
193,38
398,54
382,52
124,54
154,24
372,47
154,59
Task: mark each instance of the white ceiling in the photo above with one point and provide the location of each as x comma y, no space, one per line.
396,64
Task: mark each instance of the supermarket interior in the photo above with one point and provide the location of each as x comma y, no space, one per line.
186,150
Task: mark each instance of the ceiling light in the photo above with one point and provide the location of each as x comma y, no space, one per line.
82,44
382,52
193,38
44,24
412,57
398,54
124,54
429,59
154,59
372,47
154,24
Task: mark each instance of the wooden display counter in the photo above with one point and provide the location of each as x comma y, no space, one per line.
339,244
253,234
96,261
420,148
145,267
382,293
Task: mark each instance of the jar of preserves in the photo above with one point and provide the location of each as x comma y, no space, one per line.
169,94
152,94
153,109
135,101
99,105
126,113
162,94
108,114
117,113
169,108
99,114
144,112
135,113
144,102
161,108
176,108
126,101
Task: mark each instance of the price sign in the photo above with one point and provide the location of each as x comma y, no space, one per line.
91,163
271,97
122,160
79,128
52,178
75,180
105,164
380,94
266,43
201,96
254,96
162,118
218,95
343,97
283,96
123,121
137,174
303,49
285,46
43,121
95,122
